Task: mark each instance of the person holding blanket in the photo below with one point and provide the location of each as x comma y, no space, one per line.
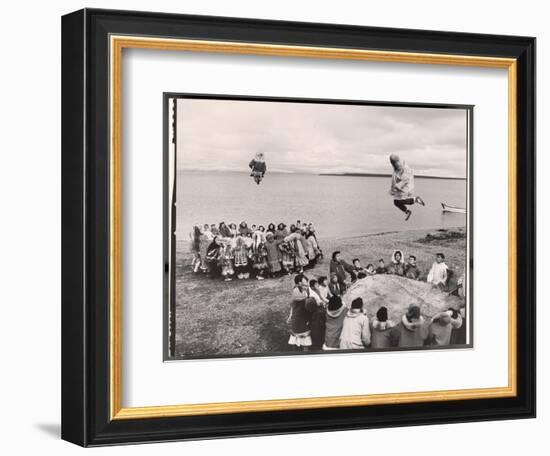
381,334
294,239
336,313
402,186
355,331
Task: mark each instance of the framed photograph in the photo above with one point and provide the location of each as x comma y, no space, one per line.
278,227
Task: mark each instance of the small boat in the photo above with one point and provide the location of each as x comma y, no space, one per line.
447,208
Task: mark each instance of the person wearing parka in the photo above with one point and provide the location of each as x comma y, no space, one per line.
397,265
340,268
300,315
411,330
381,330
355,330
442,326
336,313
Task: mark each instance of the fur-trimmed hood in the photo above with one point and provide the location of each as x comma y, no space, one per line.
335,313
382,325
394,261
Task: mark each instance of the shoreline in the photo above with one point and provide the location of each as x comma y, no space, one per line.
374,233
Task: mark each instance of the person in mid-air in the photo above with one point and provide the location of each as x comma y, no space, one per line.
258,167
402,186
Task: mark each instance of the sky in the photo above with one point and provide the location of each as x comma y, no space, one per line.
224,135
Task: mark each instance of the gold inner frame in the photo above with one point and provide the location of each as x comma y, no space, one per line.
117,44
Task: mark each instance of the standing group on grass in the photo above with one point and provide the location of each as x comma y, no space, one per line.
228,250
319,320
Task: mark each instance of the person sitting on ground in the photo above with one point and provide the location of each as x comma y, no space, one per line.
397,266
381,269
411,330
340,268
402,186
336,313
438,272
381,334
370,270
442,325
357,269
411,269
300,317
355,330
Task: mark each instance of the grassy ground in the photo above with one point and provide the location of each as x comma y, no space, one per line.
214,317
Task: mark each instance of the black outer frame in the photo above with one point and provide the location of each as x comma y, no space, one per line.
85,227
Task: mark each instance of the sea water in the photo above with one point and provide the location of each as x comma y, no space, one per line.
338,206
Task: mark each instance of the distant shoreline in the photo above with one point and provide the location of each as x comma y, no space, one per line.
299,173
388,175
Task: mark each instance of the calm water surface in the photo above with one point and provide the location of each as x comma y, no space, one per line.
339,206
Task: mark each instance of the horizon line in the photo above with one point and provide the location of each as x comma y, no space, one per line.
316,173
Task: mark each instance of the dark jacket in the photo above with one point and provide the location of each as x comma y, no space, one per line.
412,271
259,167
340,268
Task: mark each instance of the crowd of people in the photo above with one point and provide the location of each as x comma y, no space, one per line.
229,251
438,275
319,319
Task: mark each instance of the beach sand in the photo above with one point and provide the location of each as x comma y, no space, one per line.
241,317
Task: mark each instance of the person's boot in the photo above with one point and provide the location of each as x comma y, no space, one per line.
409,213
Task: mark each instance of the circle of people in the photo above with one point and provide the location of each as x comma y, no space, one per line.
228,250
319,319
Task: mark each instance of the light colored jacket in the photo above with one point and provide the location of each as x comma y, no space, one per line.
356,331
438,273
402,183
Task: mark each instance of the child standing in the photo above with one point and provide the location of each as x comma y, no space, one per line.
226,261
438,272
241,258
259,257
300,317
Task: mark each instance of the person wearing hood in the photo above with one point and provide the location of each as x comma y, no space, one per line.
442,326
381,330
340,268
243,229
411,269
397,265
316,307
355,330
213,256
336,313
281,232
258,167
402,186
294,239
411,330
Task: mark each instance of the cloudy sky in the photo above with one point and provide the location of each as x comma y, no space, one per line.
224,135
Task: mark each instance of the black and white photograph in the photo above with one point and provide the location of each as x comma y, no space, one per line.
316,226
